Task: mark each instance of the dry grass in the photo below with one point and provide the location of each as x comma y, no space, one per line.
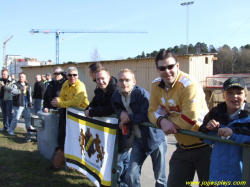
21,165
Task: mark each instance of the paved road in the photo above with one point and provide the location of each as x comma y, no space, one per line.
147,176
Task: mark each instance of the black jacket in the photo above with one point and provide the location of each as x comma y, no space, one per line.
39,90
18,95
53,90
101,103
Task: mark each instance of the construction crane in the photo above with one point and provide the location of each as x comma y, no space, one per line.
4,50
62,31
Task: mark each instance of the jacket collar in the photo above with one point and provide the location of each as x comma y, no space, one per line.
61,80
162,84
133,93
132,96
21,84
222,109
74,83
9,79
129,94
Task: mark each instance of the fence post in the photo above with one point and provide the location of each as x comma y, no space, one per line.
246,166
114,163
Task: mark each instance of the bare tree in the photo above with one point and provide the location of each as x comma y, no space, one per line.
225,60
95,56
245,60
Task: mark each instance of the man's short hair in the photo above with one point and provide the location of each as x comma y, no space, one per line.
72,69
22,73
94,66
127,70
163,55
102,69
5,70
58,67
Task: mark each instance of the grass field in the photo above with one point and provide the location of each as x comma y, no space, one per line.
21,165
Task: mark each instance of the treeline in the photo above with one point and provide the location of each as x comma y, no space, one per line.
229,60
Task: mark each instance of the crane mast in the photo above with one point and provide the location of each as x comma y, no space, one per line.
62,31
4,50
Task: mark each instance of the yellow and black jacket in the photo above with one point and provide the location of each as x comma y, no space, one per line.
185,101
73,95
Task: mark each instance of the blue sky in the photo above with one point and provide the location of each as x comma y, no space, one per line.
214,22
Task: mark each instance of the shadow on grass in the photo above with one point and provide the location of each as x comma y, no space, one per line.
21,165
18,138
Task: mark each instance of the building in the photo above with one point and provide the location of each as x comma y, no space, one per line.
15,62
214,84
9,59
198,65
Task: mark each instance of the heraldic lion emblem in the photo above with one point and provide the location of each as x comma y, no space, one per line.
91,145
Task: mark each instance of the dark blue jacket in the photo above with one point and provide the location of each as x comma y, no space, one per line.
139,103
226,159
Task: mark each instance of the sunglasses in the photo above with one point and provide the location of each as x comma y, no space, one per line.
169,67
57,73
71,75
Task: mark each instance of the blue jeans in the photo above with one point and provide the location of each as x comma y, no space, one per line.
137,158
6,107
37,105
122,166
18,111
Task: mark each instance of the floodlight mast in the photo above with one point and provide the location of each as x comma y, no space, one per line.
62,31
187,4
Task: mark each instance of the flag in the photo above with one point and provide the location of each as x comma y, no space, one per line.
89,145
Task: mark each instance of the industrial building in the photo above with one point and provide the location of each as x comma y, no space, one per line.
197,65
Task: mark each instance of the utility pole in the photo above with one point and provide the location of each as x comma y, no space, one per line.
4,51
187,4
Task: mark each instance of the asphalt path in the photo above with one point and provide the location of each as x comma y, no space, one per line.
147,174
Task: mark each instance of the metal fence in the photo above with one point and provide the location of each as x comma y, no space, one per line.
246,150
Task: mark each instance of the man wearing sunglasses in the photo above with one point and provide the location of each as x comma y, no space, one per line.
177,101
73,93
54,88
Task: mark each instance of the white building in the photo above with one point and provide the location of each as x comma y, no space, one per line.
14,63
9,59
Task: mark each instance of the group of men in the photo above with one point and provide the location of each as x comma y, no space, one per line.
176,101
63,91
15,95
130,102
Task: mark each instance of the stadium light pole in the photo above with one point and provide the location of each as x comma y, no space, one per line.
187,4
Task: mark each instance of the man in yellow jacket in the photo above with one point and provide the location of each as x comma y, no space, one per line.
177,101
73,93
